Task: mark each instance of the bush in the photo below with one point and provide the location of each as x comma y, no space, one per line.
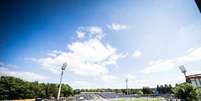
147,90
199,93
186,91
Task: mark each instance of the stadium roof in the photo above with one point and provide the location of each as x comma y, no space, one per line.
194,76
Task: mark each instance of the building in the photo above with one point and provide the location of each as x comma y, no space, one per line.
195,80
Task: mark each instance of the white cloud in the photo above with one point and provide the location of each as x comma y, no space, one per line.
157,81
93,50
117,27
82,84
4,65
80,34
130,77
159,65
108,78
192,55
88,58
29,76
95,30
137,53
90,31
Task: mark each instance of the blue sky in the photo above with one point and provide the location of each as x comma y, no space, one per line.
104,42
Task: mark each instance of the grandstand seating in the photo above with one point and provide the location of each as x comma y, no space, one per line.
85,96
108,95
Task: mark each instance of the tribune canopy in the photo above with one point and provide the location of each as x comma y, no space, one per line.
195,80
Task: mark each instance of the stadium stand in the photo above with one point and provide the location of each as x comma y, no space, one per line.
195,80
108,95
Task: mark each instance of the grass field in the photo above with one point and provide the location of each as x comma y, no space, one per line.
141,99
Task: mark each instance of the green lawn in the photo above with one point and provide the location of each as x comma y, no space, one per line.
141,99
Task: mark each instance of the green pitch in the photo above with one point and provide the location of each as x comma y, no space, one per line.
141,99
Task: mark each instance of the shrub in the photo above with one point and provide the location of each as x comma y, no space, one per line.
186,91
199,94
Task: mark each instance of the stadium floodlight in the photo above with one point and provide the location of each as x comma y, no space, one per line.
62,71
127,86
183,69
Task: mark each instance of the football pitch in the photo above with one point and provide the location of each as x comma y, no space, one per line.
141,99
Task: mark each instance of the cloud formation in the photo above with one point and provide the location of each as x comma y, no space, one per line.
137,53
89,57
29,76
83,57
117,27
192,55
90,32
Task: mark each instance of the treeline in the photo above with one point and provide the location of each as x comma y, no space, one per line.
15,88
162,89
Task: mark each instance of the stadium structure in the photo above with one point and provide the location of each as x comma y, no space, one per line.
195,80
112,96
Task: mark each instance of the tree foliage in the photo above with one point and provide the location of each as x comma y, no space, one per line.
199,93
164,89
147,90
15,88
186,91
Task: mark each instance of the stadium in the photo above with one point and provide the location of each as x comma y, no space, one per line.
100,50
111,96
194,79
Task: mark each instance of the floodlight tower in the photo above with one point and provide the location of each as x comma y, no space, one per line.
62,72
183,70
127,86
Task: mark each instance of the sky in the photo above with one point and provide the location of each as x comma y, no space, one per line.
104,42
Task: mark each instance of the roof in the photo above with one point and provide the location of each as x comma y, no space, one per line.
194,76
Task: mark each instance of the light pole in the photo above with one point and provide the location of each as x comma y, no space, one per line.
127,86
62,72
183,70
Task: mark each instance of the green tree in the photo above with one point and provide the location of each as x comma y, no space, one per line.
15,88
139,92
51,90
146,90
186,91
199,93
66,90
166,89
